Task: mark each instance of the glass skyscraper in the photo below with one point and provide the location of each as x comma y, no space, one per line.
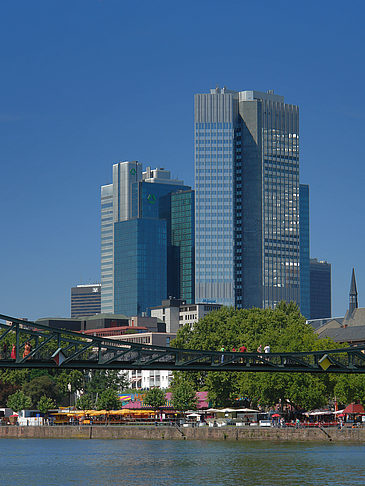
247,198
182,234
135,238
304,250
140,255
116,205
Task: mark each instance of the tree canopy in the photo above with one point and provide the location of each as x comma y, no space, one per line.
283,329
154,398
19,401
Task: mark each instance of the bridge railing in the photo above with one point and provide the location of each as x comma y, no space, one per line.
51,347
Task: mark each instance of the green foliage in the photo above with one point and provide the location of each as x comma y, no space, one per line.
14,377
108,400
45,404
350,388
284,329
6,389
43,385
99,380
19,401
184,397
85,402
154,398
70,381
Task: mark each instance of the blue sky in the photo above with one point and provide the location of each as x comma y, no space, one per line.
86,83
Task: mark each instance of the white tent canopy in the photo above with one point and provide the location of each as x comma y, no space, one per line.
230,410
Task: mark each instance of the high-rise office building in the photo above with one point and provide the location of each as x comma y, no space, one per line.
247,198
136,222
320,289
182,258
116,205
85,300
304,250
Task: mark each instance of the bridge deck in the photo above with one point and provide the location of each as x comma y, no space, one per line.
56,348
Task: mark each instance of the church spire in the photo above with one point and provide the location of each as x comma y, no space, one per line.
353,294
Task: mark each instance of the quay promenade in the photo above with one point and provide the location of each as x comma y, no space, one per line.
287,434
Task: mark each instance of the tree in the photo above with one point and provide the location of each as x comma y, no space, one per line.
6,389
284,329
350,388
19,401
99,380
184,397
45,404
43,385
108,400
154,398
85,402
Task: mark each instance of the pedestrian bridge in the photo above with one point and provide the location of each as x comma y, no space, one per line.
57,348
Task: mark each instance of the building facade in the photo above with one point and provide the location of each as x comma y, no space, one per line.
85,300
247,244
136,256
304,250
320,289
116,206
182,246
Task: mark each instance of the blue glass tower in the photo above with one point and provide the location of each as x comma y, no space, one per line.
304,250
247,198
136,238
140,262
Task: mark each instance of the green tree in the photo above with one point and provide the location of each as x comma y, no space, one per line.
155,398
284,329
6,389
96,381
15,377
19,401
85,402
108,400
350,388
45,404
43,385
184,397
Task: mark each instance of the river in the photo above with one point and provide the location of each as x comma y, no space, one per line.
41,462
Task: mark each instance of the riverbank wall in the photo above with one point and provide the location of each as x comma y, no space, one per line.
173,433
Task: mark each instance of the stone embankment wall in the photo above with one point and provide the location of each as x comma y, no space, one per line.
199,433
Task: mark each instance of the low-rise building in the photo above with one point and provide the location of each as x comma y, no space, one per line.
349,329
192,313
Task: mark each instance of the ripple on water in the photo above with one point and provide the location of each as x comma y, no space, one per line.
139,462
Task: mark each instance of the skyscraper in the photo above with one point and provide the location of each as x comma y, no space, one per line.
320,289
182,273
247,198
135,224
304,250
116,205
85,300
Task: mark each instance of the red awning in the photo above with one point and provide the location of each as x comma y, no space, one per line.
355,408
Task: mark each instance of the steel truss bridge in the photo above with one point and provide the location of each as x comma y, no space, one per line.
62,349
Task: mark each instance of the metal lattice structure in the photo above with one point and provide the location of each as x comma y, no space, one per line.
58,348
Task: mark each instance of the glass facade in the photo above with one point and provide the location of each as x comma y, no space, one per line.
320,289
140,265
130,286
116,205
281,242
85,300
107,249
215,118
182,246
304,250
247,198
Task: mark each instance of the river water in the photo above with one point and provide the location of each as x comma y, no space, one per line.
40,462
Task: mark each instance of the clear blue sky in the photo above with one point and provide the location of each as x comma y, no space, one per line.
86,83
